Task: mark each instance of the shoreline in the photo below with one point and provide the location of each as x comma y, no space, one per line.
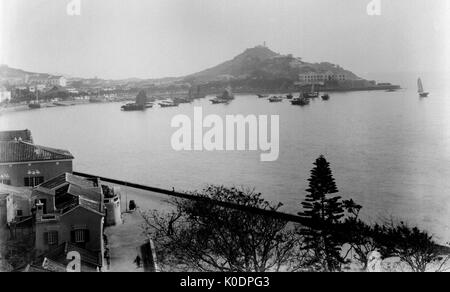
24,106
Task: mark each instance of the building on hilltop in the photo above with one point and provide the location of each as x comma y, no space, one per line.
47,80
314,77
23,163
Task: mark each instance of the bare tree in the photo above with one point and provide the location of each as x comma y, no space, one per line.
202,236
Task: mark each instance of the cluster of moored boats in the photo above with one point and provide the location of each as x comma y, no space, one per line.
302,100
141,102
142,105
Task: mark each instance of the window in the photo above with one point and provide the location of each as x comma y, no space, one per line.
33,181
52,238
5,181
80,236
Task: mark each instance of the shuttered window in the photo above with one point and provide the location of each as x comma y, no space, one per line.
51,237
80,236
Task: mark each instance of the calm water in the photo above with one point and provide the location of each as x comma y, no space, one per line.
388,151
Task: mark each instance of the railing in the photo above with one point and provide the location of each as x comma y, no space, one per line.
253,210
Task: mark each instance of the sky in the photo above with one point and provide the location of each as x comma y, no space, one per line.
118,39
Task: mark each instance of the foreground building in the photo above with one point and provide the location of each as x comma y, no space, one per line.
69,209
22,163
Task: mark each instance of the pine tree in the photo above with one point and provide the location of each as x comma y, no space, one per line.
322,213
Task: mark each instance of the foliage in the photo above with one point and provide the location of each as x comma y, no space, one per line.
202,236
322,213
412,245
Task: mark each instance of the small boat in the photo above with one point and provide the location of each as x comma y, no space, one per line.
59,104
391,90
168,104
133,107
312,94
325,97
302,101
219,100
182,100
421,92
34,105
289,96
262,95
148,104
275,99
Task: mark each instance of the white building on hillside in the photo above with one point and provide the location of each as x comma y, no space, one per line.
5,95
313,77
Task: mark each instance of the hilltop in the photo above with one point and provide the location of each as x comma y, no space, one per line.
8,74
262,63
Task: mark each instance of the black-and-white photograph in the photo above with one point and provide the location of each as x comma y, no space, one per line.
237,136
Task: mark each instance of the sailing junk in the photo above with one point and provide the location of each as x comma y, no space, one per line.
139,105
312,94
421,92
226,97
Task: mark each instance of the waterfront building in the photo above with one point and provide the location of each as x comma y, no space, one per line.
23,163
314,77
69,209
48,80
5,95
37,87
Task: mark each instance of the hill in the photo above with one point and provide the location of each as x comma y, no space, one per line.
262,63
8,74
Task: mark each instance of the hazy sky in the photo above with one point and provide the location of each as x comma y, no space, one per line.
157,38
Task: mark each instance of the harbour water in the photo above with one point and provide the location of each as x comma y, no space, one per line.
390,152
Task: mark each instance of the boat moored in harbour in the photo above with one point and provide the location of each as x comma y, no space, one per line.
133,107
275,99
302,101
312,93
168,103
139,105
225,97
421,92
